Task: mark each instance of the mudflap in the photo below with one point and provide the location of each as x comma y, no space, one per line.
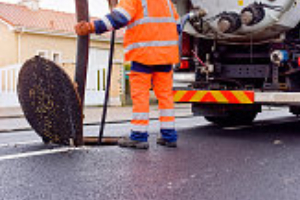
49,101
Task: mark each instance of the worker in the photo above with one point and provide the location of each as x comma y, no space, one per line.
151,44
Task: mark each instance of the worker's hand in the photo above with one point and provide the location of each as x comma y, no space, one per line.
84,28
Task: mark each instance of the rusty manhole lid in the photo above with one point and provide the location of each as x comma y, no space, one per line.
49,101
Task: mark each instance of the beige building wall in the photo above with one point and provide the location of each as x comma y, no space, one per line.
23,46
8,46
8,53
66,46
32,43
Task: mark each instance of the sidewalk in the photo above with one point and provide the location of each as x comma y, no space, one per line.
13,118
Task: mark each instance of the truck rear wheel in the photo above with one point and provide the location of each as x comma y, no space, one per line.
227,114
232,119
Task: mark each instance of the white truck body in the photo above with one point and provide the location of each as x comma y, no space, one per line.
239,48
274,22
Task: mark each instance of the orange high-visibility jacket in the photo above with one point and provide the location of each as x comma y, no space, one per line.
151,37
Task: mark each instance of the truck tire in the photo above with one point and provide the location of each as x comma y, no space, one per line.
233,119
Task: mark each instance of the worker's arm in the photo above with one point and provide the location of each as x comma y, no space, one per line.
179,29
118,18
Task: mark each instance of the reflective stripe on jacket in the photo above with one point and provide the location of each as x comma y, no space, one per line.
151,37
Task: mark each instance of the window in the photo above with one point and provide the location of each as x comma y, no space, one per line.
42,53
56,57
53,55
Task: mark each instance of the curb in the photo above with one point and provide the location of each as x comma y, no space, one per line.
87,124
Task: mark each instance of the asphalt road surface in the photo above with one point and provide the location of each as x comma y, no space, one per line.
256,162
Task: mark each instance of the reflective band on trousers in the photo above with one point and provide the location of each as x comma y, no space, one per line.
124,12
167,125
167,112
139,128
140,116
151,44
147,20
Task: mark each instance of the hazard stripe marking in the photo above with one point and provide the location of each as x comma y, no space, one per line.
219,97
250,95
198,96
178,95
232,97
241,96
188,95
208,98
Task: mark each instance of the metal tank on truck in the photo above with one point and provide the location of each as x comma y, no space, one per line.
237,55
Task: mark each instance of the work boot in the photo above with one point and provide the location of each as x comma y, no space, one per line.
136,140
127,142
168,138
164,142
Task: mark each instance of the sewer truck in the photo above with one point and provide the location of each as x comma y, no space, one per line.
237,56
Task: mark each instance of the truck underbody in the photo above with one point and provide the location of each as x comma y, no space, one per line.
271,70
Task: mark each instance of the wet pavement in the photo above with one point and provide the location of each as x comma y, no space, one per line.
257,162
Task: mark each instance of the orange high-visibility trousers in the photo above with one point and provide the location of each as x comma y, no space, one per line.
140,84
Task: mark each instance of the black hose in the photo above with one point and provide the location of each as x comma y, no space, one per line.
106,98
271,7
